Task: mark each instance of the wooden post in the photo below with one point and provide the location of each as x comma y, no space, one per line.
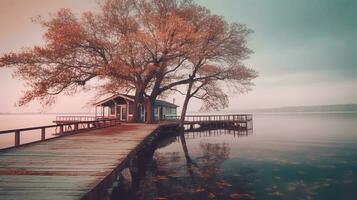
116,111
43,134
127,110
96,112
103,111
17,138
76,127
61,129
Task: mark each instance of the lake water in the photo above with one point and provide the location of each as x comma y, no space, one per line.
288,156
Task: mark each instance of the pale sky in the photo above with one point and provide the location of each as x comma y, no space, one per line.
305,51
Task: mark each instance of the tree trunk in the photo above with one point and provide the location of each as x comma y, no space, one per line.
150,119
150,111
185,105
138,99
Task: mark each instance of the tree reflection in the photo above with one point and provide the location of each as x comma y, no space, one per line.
191,178
205,172
179,175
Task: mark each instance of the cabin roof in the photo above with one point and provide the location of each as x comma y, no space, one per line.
117,97
112,99
165,104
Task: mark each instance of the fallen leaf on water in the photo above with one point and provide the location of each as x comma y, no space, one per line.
277,193
161,198
199,189
234,196
211,196
161,178
223,184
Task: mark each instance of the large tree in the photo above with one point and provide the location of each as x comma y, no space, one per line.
143,47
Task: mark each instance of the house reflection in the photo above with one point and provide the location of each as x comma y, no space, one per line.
176,174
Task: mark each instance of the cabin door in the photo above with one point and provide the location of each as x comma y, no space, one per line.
124,113
118,112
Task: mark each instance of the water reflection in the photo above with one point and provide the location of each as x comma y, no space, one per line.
218,132
177,175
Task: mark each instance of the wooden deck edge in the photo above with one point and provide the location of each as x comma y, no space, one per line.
100,189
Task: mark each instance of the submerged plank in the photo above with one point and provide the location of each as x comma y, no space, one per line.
67,167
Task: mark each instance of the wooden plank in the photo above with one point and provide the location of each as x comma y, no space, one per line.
67,167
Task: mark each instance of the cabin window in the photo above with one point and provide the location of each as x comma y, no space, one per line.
131,108
171,110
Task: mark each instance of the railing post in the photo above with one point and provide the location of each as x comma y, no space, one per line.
61,129
17,138
43,134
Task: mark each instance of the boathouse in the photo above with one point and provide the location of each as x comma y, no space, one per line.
121,106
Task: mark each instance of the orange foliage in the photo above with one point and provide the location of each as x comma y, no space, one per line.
141,46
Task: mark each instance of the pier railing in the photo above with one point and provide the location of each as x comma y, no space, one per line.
76,118
61,129
210,118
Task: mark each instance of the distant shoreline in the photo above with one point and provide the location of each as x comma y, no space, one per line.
317,108
337,108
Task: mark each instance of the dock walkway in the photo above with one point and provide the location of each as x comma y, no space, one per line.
70,167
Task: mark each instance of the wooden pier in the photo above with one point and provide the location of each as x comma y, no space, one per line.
79,166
